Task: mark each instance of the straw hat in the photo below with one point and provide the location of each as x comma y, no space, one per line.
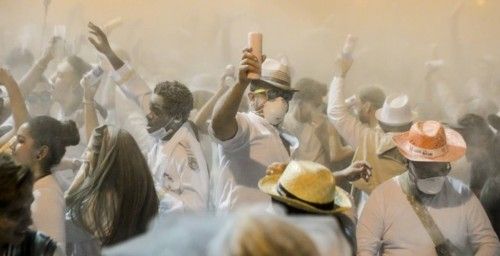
277,74
395,111
429,141
308,186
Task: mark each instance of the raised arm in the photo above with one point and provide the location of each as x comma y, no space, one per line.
125,76
30,79
89,105
17,104
224,122
205,112
348,126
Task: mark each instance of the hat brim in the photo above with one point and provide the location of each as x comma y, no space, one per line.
378,116
269,183
455,143
278,85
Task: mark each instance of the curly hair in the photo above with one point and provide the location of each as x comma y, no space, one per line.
178,100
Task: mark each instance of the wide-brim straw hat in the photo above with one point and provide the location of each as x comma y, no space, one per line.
307,186
430,141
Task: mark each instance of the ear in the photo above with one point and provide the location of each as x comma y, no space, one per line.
494,121
251,96
43,151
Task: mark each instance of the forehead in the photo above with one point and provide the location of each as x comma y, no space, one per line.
64,67
24,129
157,101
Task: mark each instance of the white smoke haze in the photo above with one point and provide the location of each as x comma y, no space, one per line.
182,39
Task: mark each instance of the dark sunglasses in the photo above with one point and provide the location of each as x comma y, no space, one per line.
273,93
39,97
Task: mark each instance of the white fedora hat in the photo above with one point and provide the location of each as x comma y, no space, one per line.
277,74
396,111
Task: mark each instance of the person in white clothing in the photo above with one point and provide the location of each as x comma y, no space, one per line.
371,144
169,140
249,142
423,211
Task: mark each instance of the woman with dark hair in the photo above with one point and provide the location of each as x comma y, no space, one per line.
40,145
113,196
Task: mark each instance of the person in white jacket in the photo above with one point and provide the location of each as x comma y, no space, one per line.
173,151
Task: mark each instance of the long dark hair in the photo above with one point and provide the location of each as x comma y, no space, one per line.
117,198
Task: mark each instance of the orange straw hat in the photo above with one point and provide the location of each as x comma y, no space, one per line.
430,141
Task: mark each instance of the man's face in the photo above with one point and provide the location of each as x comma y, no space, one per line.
424,170
157,118
305,110
15,220
63,81
364,113
39,100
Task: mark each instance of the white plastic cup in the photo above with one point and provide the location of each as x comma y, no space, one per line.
255,42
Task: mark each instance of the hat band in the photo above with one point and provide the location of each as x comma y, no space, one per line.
326,206
428,153
276,80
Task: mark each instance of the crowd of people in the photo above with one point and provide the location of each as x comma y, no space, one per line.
95,160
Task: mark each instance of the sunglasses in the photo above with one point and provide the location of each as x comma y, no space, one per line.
273,93
34,98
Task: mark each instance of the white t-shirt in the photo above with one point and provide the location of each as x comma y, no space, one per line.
389,224
48,209
244,160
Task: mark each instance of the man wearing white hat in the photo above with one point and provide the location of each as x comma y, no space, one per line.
423,211
373,145
249,142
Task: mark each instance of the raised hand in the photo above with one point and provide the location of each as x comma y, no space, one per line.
358,170
100,41
344,61
89,85
249,63
50,51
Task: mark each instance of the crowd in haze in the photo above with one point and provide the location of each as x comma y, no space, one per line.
95,159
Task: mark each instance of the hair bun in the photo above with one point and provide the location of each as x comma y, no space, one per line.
70,135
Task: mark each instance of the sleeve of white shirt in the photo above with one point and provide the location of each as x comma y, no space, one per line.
133,86
48,214
348,126
241,137
370,229
186,183
482,237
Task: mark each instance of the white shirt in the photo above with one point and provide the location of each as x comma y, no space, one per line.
371,144
48,209
388,223
244,160
177,165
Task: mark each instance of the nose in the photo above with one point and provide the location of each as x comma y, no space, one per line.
13,146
